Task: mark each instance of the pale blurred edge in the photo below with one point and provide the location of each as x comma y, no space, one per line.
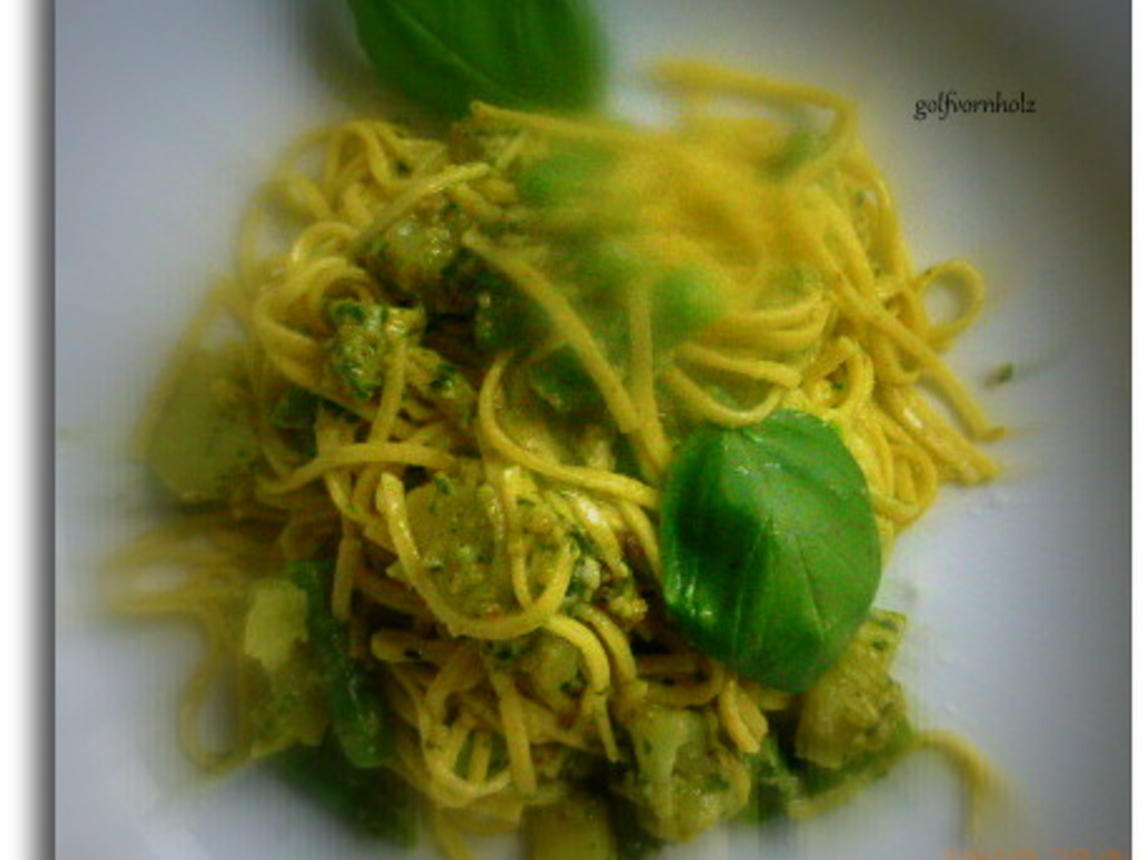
23,220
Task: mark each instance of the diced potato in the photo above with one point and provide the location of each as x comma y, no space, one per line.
553,666
291,709
856,707
685,780
451,524
276,620
577,828
204,444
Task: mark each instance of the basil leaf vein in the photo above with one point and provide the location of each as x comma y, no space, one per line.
445,54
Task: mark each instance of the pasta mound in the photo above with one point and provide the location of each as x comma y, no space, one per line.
464,367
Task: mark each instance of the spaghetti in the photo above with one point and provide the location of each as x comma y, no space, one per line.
494,550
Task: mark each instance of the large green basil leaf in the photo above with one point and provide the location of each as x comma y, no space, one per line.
525,54
770,548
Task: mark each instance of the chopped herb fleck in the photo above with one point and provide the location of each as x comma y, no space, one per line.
295,410
445,378
1003,373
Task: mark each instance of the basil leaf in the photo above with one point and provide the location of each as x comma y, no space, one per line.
445,54
770,549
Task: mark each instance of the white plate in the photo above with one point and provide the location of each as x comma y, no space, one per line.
169,112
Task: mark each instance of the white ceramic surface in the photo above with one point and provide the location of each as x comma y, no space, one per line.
1019,593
